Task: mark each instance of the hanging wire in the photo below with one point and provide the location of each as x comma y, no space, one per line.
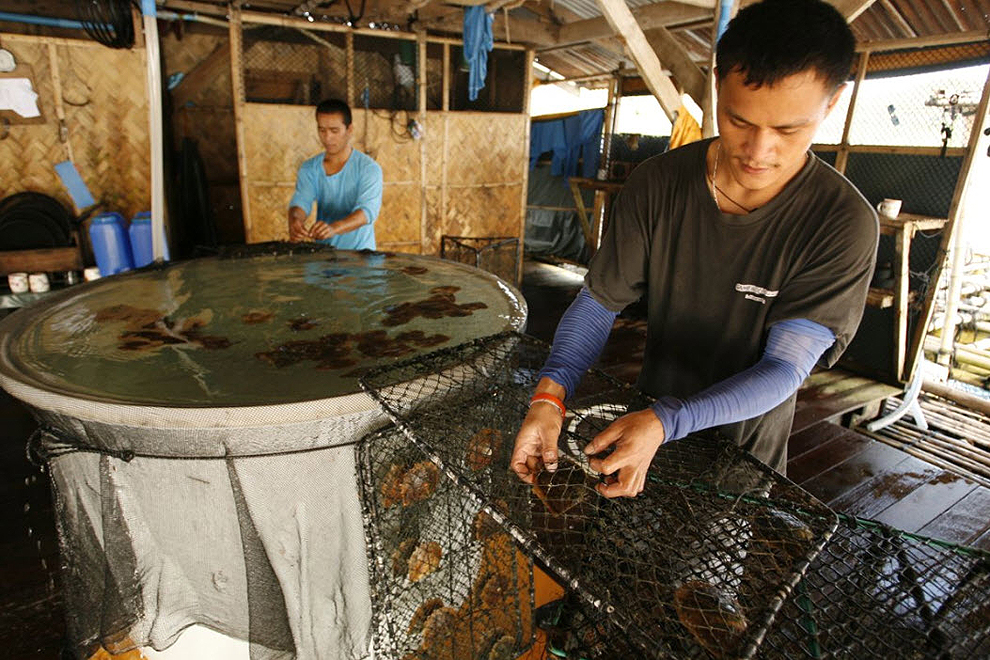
107,21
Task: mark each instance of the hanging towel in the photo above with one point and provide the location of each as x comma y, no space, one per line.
685,129
478,42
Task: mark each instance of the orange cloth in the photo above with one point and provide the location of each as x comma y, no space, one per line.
685,129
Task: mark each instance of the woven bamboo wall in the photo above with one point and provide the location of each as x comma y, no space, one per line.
280,137
483,172
106,116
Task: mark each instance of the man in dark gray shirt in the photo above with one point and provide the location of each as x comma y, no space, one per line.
754,257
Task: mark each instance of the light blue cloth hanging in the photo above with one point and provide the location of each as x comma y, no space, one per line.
573,138
478,42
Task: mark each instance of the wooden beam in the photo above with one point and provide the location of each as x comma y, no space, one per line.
624,23
523,30
676,58
200,76
851,8
971,36
662,14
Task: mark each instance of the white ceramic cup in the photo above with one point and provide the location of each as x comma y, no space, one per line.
18,282
38,282
91,273
889,208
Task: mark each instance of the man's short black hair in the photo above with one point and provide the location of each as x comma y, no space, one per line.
335,107
771,40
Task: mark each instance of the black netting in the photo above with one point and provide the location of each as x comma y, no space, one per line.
293,66
697,564
913,117
875,592
446,582
496,254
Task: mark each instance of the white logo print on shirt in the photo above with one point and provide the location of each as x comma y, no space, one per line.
754,292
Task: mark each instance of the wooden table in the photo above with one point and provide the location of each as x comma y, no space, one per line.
603,191
902,228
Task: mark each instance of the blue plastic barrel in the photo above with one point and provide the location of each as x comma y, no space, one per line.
111,244
141,248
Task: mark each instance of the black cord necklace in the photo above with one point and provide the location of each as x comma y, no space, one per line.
718,151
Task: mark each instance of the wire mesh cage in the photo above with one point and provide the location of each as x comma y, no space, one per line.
293,66
385,73
447,583
496,254
914,112
875,592
696,565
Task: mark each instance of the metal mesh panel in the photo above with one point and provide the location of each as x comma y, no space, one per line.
875,592
503,90
697,564
496,254
293,66
910,98
913,115
446,583
385,73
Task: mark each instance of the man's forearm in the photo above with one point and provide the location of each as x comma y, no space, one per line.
349,223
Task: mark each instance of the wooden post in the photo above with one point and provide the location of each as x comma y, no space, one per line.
442,220
902,268
527,92
421,75
237,91
952,236
608,126
622,21
842,157
349,59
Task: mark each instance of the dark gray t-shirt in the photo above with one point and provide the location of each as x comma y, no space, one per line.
715,283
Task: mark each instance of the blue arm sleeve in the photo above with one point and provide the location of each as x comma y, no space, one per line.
580,337
370,192
305,193
793,348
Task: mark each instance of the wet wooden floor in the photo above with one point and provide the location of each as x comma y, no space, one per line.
850,472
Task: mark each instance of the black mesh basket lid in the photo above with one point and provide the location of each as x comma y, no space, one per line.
696,565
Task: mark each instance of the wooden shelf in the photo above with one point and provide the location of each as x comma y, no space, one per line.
880,298
40,261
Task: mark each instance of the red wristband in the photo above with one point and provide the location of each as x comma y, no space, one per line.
552,400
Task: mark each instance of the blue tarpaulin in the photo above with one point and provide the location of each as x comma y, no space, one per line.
573,138
478,43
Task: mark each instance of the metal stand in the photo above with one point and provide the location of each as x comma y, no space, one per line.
909,404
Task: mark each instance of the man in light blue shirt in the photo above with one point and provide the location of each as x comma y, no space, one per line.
345,184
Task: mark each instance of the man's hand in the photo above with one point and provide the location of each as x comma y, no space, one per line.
636,437
298,231
321,230
536,442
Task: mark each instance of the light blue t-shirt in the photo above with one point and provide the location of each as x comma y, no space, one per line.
358,185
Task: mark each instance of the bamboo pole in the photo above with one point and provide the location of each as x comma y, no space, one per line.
237,90
527,93
423,172
843,156
153,61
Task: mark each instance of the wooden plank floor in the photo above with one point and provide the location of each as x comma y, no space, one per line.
860,476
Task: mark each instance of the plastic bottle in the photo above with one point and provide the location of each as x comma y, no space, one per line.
111,245
141,247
